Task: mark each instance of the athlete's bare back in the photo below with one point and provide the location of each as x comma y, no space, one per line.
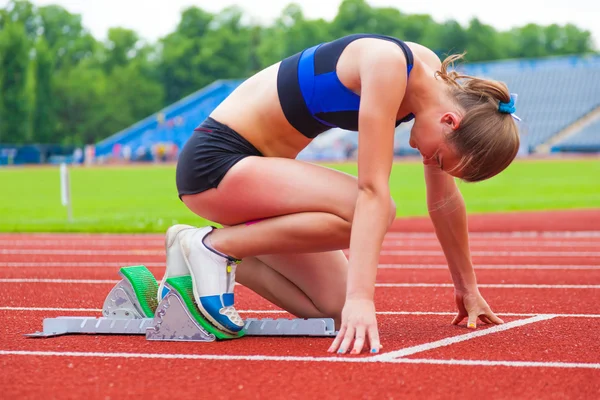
254,110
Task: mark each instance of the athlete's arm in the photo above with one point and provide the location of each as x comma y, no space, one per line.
448,213
383,81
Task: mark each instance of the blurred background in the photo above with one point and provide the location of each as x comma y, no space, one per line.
103,93
114,89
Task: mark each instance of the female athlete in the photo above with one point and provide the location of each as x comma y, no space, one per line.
286,222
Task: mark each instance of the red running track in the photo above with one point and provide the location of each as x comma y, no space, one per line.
545,285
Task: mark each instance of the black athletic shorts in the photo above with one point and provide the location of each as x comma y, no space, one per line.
208,154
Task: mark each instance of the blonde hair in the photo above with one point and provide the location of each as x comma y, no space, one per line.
486,139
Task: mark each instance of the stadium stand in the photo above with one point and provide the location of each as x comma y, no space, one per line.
586,140
172,125
553,93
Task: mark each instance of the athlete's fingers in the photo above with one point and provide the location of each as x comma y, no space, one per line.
458,319
359,340
338,339
472,321
348,337
494,318
373,333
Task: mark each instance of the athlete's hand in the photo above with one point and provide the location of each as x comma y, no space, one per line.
472,305
358,323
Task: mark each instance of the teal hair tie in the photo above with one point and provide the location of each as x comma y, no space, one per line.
507,108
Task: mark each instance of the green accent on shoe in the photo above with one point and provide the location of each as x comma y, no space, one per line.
184,286
144,285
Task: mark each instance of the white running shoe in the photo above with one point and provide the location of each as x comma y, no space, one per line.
176,265
213,278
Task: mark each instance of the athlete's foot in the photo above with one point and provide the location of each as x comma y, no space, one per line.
213,278
176,265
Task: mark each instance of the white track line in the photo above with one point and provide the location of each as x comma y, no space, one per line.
499,235
50,252
138,252
340,359
382,266
77,264
92,243
460,338
492,244
381,285
496,253
282,312
159,237
492,267
485,285
50,309
159,245
69,281
486,363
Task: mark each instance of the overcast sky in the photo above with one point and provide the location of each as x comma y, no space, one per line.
155,18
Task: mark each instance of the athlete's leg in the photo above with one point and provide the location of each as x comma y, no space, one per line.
304,207
308,285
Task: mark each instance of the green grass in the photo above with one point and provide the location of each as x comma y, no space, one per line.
144,198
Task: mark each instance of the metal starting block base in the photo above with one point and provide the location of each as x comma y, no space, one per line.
127,313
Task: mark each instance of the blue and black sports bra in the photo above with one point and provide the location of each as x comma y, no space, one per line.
311,95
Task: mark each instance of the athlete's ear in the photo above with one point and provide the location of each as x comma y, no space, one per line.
451,119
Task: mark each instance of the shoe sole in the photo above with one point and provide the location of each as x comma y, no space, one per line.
166,275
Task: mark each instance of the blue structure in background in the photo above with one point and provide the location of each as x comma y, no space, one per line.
586,140
173,124
553,94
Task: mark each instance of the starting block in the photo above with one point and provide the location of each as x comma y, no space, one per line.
131,308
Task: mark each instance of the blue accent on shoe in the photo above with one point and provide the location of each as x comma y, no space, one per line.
165,291
228,299
212,305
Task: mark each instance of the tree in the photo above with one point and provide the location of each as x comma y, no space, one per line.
43,113
483,44
14,61
120,48
67,39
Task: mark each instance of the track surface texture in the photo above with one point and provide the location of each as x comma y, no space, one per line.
539,271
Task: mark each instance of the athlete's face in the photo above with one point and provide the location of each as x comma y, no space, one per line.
428,135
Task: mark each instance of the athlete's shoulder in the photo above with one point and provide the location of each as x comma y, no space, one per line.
425,55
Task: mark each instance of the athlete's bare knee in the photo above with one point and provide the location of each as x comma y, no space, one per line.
332,308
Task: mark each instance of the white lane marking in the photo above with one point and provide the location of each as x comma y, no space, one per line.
496,253
487,363
50,309
388,242
142,237
340,359
76,264
53,252
381,285
146,252
492,267
282,312
487,285
117,264
460,338
70,281
497,235
493,244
